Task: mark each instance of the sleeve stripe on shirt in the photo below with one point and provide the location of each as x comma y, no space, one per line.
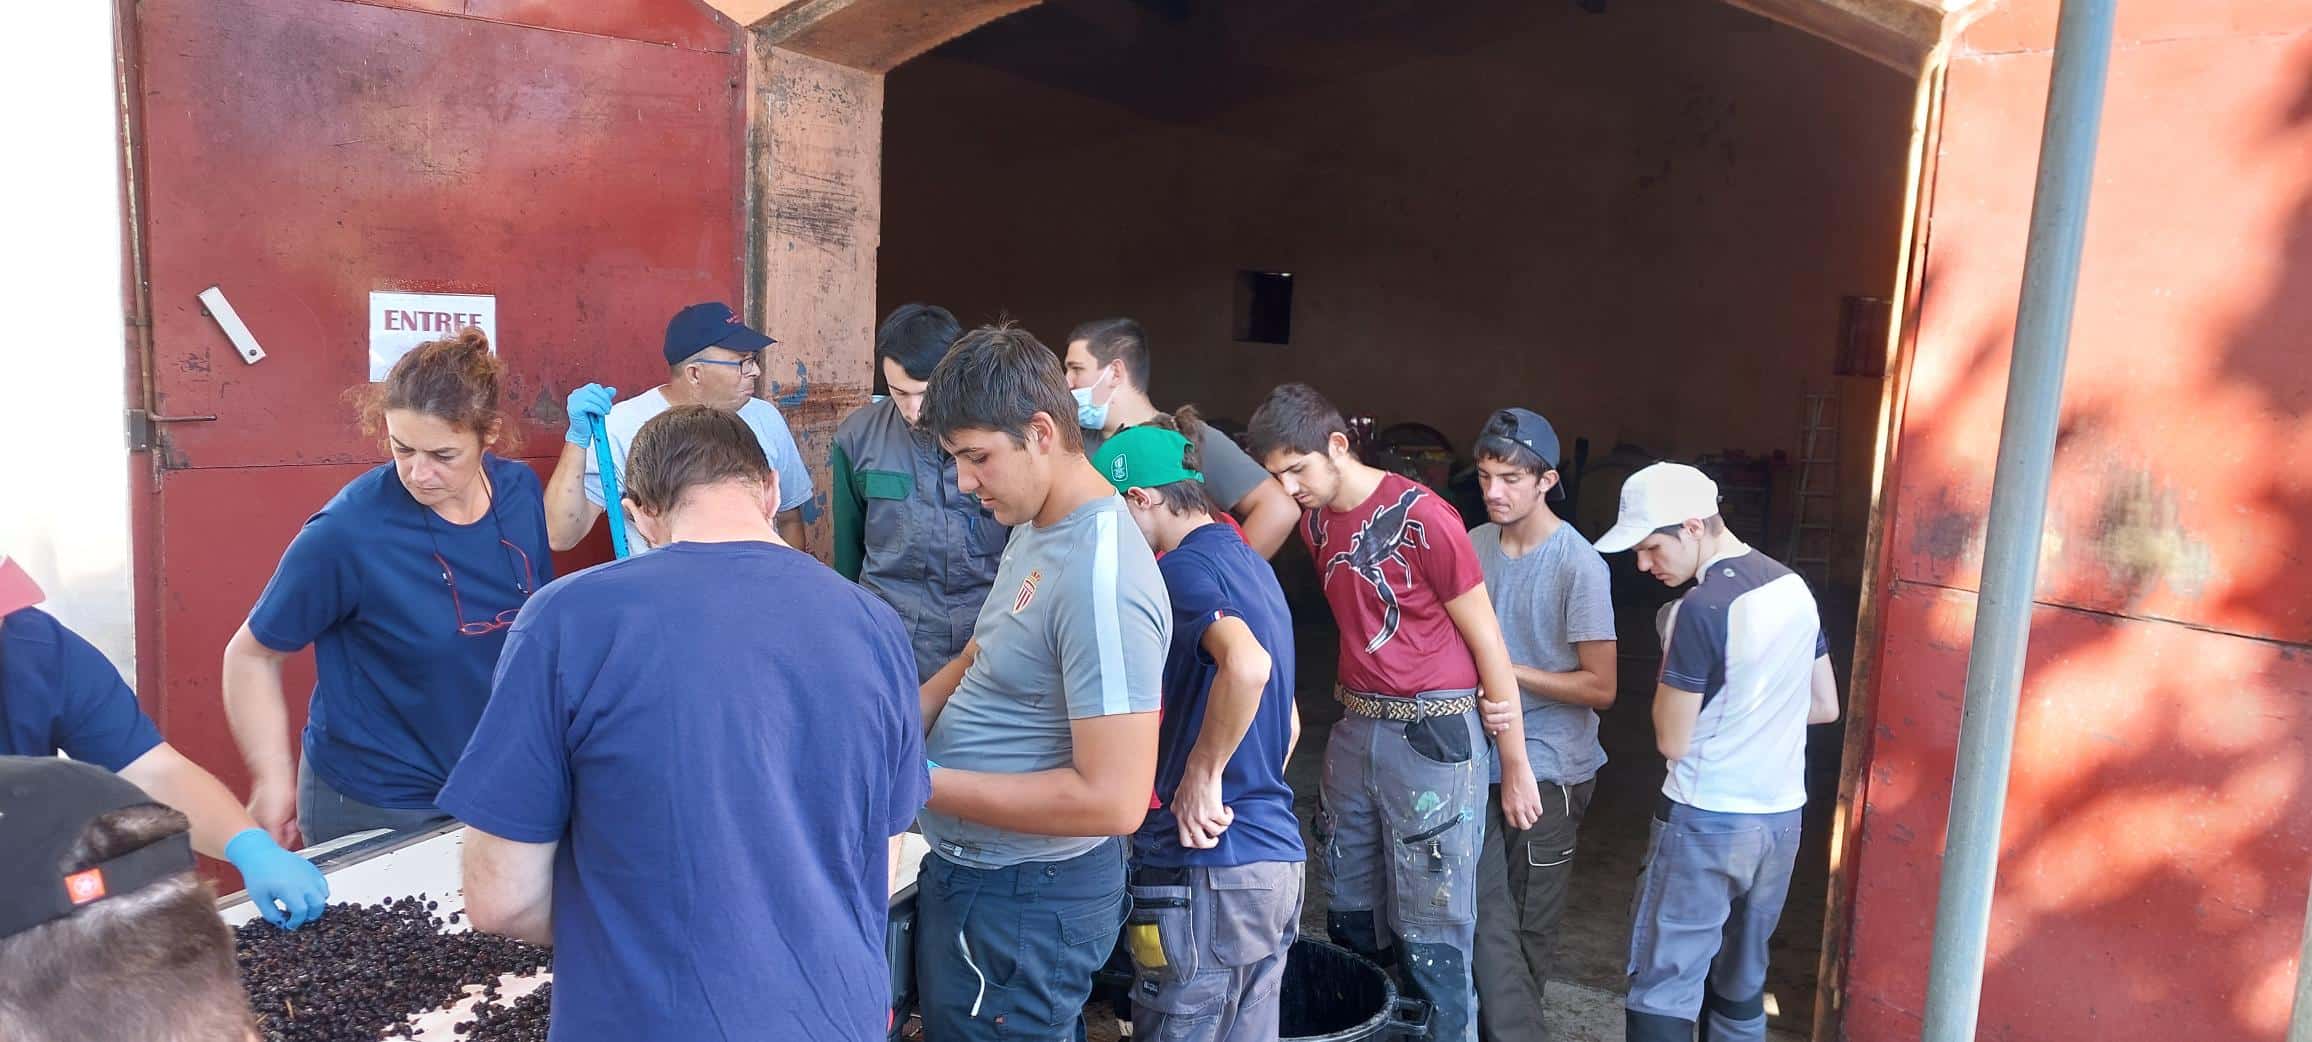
1114,698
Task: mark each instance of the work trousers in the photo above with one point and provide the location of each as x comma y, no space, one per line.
1399,825
1522,876
1009,953
324,814
1709,898
1208,950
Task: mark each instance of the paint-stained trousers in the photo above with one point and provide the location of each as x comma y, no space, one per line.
1522,878
1400,824
1709,898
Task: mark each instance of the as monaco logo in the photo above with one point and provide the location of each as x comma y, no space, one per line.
1027,591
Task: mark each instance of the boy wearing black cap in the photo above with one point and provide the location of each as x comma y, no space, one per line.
105,933
712,358
1550,591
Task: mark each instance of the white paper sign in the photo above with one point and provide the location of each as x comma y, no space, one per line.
401,321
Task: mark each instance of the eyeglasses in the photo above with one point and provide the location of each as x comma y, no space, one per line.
524,580
742,365
502,619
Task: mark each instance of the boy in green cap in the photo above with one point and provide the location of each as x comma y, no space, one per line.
1216,868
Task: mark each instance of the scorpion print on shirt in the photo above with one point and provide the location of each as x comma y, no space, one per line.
1389,566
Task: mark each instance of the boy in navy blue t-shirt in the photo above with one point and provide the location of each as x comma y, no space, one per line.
1217,867
691,766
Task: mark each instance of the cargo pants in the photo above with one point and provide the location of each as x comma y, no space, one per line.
1400,823
1009,953
1707,902
1208,950
1522,880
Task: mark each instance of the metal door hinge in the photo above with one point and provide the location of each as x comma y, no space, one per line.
141,427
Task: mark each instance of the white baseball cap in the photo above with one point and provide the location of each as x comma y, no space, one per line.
1657,497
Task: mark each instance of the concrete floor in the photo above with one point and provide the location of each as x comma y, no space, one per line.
1594,938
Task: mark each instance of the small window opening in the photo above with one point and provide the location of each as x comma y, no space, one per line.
1264,307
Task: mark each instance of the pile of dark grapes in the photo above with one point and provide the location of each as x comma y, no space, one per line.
524,1021
363,970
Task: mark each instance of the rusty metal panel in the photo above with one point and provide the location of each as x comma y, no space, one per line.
2151,875
302,155
2029,25
2179,489
676,23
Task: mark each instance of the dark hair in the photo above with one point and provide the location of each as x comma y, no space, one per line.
916,336
1295,418
1186,497
1109,339
1498,443
152,965
997,378
457,381
1713,524
688,446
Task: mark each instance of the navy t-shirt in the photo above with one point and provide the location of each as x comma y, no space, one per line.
399,686
722,737
59,694
1212,575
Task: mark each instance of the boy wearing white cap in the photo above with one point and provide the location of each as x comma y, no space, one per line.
1744,671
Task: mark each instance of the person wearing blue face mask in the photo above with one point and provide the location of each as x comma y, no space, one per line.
1107,363
58,694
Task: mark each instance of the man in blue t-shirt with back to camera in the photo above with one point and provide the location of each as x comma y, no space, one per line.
1216,873
692,767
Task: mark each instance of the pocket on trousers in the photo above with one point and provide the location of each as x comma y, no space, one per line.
1539,854
1160,932
1248,920
1443,739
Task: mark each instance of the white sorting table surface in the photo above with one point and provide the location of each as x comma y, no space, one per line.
370,867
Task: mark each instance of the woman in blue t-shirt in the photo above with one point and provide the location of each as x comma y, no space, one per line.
403,585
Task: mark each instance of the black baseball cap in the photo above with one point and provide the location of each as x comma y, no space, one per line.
701,326
46,802
1527,428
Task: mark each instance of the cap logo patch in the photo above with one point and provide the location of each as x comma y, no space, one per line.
1120,470
1027,590
84,886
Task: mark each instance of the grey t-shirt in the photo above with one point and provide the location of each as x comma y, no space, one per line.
1229,473
1554,597
1076,625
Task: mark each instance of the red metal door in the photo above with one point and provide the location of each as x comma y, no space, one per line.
581,162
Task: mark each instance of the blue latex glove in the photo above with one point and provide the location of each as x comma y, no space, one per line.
287,890
586,403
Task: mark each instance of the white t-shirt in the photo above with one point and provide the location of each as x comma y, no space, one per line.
1745,639
627,417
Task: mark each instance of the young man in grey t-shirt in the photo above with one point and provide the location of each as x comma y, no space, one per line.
1042,734
1550,590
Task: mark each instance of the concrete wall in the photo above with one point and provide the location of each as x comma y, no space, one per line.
64,465
1640,223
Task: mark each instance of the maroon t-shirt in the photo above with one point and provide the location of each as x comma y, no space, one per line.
1388,566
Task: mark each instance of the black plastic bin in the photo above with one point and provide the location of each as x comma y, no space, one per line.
1330,994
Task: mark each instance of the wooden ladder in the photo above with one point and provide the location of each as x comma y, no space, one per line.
1813,526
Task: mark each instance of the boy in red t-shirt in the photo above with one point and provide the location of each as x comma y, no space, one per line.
1402,812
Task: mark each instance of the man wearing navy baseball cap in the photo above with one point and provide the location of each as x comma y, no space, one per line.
1550,591
105,933
712,358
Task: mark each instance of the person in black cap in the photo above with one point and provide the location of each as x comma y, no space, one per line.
712,358
1550,591
58,694
105,933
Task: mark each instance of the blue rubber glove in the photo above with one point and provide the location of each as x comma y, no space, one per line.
586,403
287,890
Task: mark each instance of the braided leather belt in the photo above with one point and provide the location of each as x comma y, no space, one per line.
1402,710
